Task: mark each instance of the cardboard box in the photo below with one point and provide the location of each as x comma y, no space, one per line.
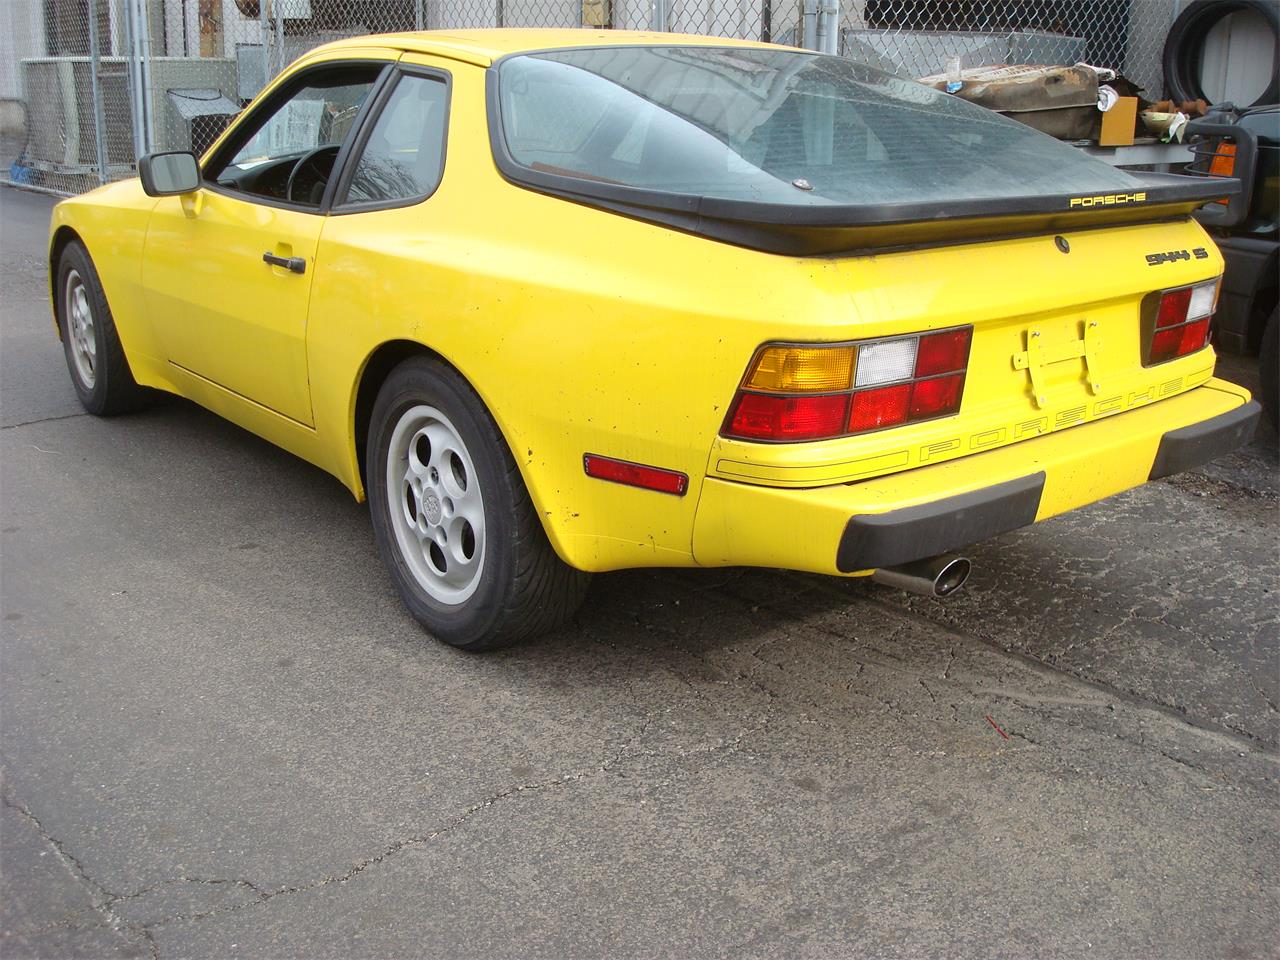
1118,123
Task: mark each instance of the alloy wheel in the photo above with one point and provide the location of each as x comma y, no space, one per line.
433,496
80,329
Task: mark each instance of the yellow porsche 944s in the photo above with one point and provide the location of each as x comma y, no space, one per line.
568,301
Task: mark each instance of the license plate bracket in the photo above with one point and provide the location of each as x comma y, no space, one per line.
1038,355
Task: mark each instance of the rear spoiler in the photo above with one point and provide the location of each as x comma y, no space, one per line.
824,231
816,230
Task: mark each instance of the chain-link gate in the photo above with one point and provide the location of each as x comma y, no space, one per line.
107,80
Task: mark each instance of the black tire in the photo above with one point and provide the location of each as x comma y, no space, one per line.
522,588
104,383
1269,369
1184,45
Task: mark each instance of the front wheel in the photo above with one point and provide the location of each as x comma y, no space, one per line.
452,519
95,357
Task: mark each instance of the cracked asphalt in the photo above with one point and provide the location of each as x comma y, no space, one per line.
223,737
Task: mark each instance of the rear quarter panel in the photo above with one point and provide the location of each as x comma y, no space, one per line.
581,331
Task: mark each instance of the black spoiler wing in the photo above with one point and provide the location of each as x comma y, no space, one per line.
808,230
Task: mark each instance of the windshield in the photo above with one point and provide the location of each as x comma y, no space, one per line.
774,126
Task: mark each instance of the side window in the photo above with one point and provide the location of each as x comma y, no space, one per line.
404,155
288,151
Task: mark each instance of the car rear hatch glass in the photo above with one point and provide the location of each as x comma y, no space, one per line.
797,152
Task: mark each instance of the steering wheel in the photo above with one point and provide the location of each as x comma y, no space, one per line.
308,160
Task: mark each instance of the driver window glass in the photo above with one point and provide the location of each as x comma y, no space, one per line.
404,155
319,114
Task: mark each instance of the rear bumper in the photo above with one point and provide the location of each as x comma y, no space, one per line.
854,528
1207,440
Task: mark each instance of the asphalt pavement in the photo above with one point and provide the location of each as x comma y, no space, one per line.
222,735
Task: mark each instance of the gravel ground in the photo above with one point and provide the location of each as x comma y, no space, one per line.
223,736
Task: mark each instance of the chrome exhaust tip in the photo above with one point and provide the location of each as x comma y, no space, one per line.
938,576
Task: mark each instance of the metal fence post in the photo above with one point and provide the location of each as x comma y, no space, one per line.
264,27
95,91
137,93
659,19
809,25
144,74
419,15
829,26
280,54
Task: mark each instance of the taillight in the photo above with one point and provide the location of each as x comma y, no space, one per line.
796,392
1182,321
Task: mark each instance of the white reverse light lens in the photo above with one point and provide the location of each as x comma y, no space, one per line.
886,361
1201,304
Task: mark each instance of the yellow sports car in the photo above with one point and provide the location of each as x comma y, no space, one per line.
571,301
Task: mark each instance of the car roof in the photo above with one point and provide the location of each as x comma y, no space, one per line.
484,46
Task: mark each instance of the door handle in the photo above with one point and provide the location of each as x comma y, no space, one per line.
293,264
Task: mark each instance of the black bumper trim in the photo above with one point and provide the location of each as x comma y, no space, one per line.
874,540
1199,443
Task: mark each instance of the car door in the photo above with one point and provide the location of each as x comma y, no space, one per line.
227,271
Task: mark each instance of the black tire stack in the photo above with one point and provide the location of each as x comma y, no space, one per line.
1184,47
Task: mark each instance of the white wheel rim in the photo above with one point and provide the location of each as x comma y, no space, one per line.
433,496
80,332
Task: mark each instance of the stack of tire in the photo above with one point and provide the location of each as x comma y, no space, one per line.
1185,45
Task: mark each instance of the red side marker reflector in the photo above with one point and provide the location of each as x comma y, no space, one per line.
635,474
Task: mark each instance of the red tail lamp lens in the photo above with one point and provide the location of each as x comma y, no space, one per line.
761,416
635,474
1173,307
943,352
1194,336
937,397
1178,342
882,407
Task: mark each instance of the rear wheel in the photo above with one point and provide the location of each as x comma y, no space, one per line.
453,521
1269,369
95,358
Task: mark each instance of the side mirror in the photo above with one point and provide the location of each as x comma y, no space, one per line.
169,174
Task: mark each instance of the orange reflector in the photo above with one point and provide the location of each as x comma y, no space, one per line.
635,474
1223,163
801,369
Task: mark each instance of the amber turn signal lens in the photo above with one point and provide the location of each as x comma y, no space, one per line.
801,369
1223,163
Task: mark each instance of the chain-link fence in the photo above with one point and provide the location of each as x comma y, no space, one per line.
90,85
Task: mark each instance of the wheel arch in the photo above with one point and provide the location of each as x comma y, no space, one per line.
62,236
373,374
